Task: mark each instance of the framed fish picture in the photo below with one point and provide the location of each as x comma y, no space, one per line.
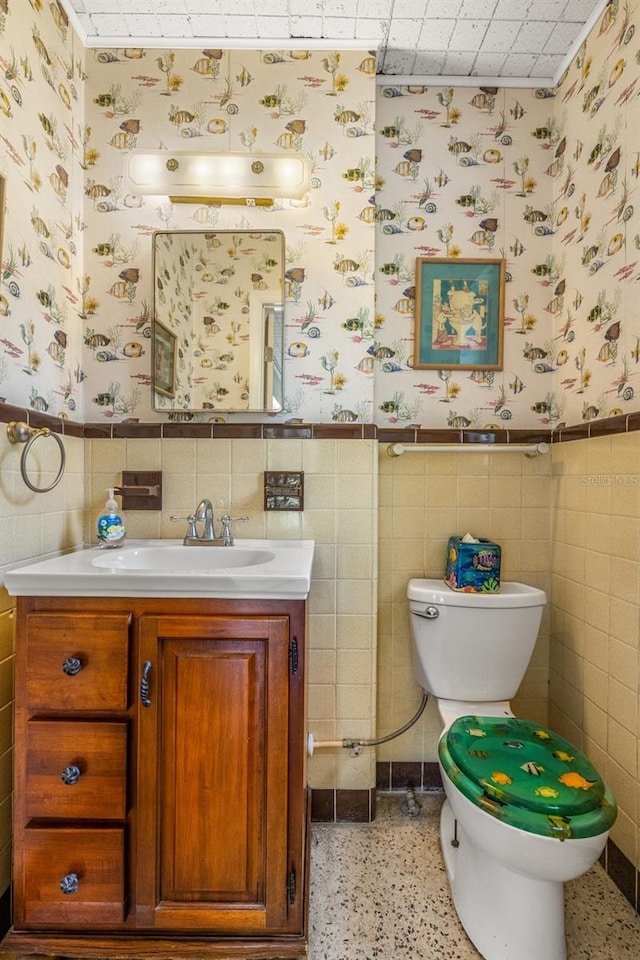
164,360
459,316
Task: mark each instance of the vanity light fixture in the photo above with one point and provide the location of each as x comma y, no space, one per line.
190,177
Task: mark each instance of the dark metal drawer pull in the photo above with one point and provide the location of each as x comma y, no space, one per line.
71,774
70,883
71,666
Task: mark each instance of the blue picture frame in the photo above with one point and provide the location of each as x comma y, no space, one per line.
459,319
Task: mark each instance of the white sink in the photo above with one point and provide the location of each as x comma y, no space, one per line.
251,569
182,558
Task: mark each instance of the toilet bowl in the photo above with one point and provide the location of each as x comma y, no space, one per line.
524,809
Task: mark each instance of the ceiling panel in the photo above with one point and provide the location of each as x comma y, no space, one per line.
455,38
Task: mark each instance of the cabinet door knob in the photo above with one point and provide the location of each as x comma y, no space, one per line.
71,774
71,666
144,684
70,883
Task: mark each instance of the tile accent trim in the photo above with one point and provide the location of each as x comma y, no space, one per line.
625,423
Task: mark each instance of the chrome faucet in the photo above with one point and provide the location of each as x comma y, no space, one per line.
204,514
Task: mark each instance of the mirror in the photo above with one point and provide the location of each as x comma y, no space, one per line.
218,320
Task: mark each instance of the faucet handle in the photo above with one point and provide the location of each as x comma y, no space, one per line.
191,533
226,521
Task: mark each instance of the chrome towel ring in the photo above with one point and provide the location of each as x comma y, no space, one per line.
20,432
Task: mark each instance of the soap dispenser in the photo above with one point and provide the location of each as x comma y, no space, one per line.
111,532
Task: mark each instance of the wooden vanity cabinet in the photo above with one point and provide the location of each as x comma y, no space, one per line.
160,804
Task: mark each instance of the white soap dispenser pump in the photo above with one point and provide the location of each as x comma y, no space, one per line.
111,531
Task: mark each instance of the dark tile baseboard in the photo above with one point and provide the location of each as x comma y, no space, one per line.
623,873
359,806
394,775
343,806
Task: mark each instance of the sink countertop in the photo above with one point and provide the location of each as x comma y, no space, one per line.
121,572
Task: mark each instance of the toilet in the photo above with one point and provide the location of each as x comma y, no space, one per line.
524,809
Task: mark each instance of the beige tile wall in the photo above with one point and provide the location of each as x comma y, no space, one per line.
595,621
340,514
424,499
36,524
583,522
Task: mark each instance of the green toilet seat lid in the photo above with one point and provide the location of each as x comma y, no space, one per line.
527,775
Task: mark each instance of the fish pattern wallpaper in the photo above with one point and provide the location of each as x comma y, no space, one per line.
318,104
41,121
546,180
542,178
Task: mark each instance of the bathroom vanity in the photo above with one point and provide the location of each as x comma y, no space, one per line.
160,804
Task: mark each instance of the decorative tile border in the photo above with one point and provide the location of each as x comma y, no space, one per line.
626,423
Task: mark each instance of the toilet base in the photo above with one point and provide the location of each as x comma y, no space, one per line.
505,914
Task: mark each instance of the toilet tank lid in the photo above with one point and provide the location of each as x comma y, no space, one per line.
510,595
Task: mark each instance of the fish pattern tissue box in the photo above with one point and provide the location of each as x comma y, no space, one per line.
473,566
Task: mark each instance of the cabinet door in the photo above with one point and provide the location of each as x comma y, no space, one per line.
212,774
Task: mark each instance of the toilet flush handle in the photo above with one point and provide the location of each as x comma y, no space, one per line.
430,613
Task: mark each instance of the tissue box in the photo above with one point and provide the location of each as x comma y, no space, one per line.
473,567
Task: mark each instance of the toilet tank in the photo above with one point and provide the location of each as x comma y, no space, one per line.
470,646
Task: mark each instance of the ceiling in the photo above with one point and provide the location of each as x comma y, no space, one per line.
490,39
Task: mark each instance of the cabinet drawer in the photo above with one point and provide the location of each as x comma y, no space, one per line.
77,661
76,769
89,862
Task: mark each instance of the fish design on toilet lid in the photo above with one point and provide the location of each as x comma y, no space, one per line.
527,775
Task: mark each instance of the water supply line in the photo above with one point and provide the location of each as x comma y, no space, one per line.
411,807
358,746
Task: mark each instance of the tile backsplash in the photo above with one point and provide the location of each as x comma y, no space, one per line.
340,515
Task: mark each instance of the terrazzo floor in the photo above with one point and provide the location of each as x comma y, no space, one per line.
379,892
